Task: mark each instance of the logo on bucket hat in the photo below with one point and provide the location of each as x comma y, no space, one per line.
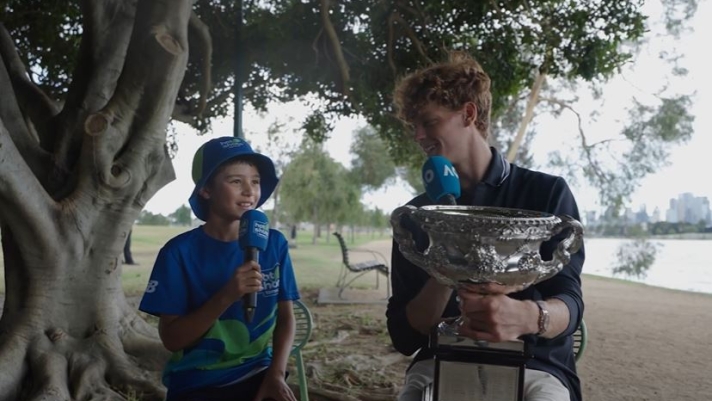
213,153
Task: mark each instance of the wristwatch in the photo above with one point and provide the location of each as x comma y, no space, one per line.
543,318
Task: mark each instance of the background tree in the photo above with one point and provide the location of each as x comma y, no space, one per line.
182,216
281,144
635,258
317,189
371,166
378,220
147,218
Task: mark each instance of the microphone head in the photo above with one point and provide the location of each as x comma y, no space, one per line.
254,230
440,178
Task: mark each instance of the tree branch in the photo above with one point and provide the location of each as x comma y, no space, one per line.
14,122
335,47
424,19
106,35
199,31
389,45
127,137
598,172
528,116
419,46
315,46
416,11
27,208
183,111
31,99
160,176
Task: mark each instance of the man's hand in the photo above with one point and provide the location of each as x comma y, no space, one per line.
495,317
274,388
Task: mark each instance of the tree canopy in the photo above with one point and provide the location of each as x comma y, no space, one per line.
349,55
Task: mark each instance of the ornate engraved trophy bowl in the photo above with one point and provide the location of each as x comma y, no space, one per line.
473,244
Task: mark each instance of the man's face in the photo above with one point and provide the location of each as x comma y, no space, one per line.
440,131
234,189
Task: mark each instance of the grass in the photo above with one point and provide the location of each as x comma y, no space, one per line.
315,265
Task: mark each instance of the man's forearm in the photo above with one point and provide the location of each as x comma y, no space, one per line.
426,309
558,317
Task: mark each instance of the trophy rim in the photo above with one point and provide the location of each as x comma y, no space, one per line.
510,215
483,243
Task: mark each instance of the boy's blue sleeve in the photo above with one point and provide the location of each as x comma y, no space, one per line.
165,293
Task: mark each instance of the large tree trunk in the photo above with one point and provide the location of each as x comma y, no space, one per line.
72,182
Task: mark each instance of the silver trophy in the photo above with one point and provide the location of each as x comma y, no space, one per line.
472,244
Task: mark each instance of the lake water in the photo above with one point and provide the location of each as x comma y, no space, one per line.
679,264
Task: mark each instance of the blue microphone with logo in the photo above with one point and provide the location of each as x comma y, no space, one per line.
442,184
253,236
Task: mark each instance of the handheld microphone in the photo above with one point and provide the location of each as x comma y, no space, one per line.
253,236
442,184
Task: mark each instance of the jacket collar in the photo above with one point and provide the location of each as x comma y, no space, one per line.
498,170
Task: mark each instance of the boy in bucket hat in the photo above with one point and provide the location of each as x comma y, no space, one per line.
199,279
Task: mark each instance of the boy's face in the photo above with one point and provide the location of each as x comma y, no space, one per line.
233,189
441,131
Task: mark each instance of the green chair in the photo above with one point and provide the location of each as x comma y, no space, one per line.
580,340
303,330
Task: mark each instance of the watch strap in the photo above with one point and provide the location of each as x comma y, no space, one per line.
543,317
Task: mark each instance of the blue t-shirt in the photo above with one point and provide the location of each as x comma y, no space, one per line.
192,267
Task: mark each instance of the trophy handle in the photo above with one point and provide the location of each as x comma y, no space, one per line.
405,229
571,244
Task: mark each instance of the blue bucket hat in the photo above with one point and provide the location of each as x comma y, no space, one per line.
214,153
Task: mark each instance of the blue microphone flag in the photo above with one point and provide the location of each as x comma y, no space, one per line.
440,178
254,230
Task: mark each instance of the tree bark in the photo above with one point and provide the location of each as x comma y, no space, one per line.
66,328
528,116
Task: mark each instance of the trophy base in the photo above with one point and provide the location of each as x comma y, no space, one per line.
466,369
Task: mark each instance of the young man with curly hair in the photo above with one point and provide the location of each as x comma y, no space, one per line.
447,106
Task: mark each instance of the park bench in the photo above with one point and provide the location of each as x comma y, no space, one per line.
350,271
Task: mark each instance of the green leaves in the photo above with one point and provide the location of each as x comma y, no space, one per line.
317,188
635,258
372,166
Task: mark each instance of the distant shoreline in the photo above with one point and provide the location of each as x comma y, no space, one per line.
621,280
685,236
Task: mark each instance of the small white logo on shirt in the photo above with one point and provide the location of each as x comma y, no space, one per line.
151,287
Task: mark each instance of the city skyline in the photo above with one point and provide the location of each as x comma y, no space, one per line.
685,208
